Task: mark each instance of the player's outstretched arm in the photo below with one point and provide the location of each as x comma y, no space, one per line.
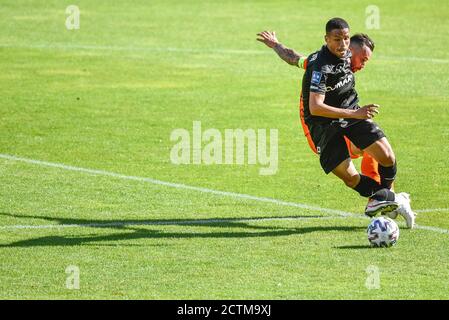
319,108
288,55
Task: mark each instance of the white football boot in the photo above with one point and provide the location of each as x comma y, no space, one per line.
375,206
404,209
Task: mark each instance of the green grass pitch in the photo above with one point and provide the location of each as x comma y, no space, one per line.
107,97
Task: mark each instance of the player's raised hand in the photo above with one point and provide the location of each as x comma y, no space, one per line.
268,37
366,112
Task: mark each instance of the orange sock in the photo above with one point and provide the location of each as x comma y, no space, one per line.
370,167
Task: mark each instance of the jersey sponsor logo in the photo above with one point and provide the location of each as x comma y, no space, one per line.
342,83
334,69
316,77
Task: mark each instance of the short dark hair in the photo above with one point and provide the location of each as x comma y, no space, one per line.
336,23
362,39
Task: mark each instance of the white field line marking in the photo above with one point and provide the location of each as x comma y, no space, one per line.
179,186
62,46
434,229
218,51
204,190
432,210
189,222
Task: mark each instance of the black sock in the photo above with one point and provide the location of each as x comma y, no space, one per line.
387,175
383,195
367,186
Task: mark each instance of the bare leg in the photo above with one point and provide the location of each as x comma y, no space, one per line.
364,185
369,166
382,152
347,172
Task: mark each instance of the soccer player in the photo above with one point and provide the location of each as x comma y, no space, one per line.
331,113
361,47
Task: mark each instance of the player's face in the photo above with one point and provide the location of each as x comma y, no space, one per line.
338,41
360,57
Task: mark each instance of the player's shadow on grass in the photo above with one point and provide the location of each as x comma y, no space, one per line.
354,247
131,230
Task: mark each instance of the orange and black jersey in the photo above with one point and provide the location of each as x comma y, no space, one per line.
331,76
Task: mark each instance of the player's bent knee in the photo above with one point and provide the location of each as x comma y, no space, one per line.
352,181
388,160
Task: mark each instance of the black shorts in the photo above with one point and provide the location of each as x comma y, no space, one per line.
331,145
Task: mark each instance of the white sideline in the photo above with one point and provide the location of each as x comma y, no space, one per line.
331,212
63,46
178,185
432,210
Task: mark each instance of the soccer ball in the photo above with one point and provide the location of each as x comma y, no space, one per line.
382,232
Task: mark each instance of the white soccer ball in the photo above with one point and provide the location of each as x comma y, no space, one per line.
382,232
